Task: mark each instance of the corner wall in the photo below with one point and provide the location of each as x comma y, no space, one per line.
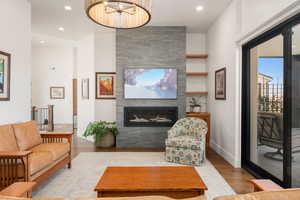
15,38
149,47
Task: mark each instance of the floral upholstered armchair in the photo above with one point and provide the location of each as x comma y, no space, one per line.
186,142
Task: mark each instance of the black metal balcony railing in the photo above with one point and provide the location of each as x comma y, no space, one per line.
43,117
270,97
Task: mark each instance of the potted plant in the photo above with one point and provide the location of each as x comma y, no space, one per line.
104,132
195,106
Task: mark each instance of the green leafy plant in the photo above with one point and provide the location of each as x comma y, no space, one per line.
100,129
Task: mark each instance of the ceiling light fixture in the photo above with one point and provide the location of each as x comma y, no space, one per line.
68,7
61,29
121,14
199,8
42,42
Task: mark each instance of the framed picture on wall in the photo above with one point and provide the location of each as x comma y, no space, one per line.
85,88
220,84
57,92
105,85
4,76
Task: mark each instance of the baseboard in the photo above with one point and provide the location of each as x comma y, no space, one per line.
226,155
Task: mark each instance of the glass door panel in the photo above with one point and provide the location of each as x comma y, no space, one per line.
266,106
295,138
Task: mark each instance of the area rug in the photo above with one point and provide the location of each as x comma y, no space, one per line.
87,169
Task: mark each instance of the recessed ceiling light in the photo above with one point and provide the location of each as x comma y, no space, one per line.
42,42
68,7
105,3
61,29
199,8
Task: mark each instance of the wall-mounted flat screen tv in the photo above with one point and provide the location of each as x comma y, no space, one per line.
150,83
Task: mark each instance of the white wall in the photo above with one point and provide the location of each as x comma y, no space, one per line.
105,61
257,12
221,48
15,38
52,66
241,21
85,49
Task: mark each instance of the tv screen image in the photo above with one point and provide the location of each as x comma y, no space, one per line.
150,83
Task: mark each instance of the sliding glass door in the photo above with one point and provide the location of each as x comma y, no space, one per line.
271,104
295,100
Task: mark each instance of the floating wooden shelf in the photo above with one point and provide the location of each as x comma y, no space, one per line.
197,93
197,73
202,56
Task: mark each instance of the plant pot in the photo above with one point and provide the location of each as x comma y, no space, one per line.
108,140
197,109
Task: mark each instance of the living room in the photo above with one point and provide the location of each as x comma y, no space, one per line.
199,98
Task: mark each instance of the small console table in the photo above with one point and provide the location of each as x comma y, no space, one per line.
206,117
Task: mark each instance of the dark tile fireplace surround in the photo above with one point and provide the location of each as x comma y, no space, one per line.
150,116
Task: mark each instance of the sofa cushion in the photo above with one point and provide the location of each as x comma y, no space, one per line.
293,194
56,149
39,161
184,142
27,135
7,139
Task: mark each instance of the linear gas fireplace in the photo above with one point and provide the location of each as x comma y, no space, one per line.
150,116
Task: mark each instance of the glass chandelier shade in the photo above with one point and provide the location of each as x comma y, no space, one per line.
122,14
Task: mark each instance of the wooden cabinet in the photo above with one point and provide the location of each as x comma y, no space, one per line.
206,117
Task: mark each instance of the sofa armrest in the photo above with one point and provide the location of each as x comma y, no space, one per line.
50,137
14,154
19,189
10,165
265,185
57,137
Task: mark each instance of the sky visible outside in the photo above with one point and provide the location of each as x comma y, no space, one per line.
272,67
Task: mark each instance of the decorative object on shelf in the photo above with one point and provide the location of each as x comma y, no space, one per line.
196,105
105,85
160,83
121,14
104,133
4,76
220,85
85,87
57,92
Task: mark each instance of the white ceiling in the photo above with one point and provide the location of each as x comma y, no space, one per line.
49,15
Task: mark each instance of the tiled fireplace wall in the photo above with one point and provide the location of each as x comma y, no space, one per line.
149,47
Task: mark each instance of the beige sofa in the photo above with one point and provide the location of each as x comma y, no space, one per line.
28,155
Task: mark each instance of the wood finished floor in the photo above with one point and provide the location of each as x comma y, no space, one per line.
238,179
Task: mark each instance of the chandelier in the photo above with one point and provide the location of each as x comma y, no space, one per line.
122,14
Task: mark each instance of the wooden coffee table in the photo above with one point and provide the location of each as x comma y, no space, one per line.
174,182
